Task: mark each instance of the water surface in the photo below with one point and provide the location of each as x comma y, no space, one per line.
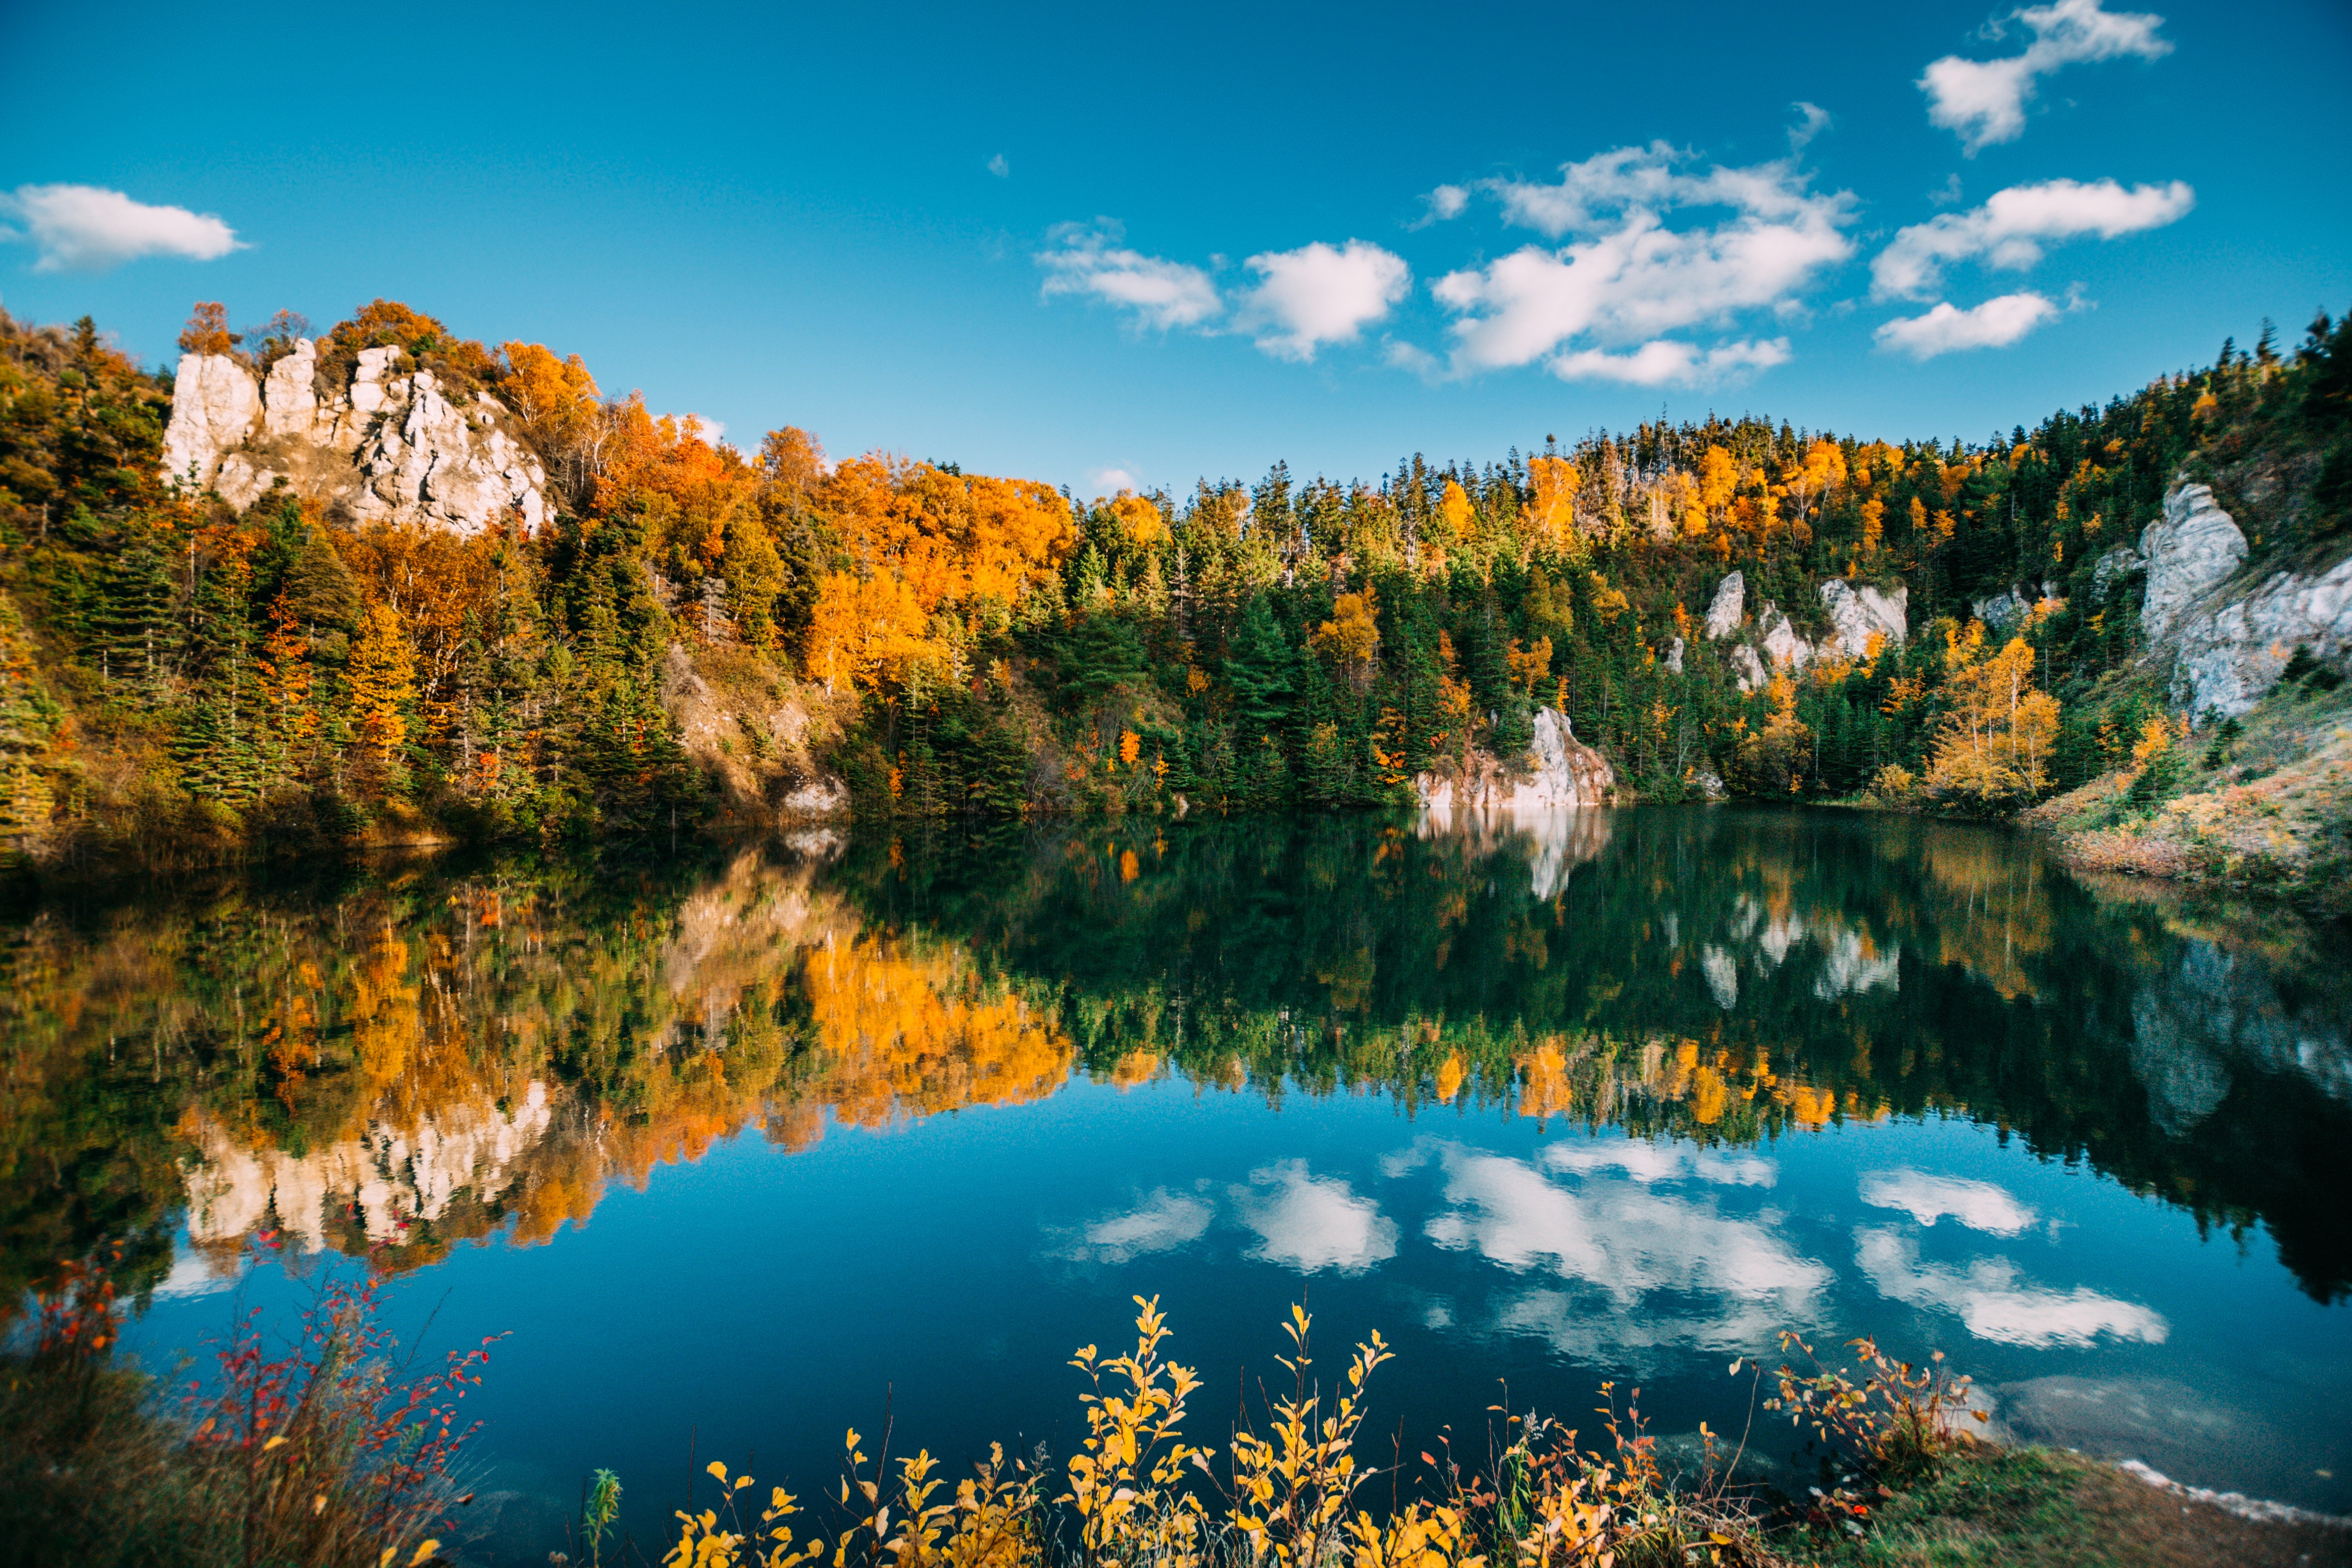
746,1152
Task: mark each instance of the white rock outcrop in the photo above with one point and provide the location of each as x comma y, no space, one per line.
214,403
1856,615
1562,771
1724,611
2192,547
2228,648
1673,659
390,448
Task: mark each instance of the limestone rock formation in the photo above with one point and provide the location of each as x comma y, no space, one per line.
2192,547
1858,614
1730,603
1673,659
385,447
1562,771
2002,610
2228,648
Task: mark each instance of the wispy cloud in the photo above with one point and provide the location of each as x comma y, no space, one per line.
1319,294
1811,120
1444,203
1994,324
84,228
1088,259
1983,102
1666,361
1111,481
999,168
2009,230
1624,278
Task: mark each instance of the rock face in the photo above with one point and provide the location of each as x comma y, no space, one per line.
1856,615
1674,661
385,447
2003,611
2229,648
1724,611
1562,773
2194,546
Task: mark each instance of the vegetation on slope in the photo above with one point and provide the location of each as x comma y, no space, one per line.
179,678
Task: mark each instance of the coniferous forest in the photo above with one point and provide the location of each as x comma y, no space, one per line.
184,681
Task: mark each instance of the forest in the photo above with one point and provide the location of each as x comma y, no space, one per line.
179,678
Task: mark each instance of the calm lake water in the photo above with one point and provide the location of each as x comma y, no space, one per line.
747,1151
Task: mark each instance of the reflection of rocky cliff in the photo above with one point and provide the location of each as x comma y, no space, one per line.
2189,1027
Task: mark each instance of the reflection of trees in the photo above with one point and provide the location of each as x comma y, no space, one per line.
413,1058
1725,976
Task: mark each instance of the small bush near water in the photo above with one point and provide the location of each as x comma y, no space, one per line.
327,1452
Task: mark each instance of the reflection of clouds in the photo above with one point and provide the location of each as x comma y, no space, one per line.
1626,1241
1648,1160
1311,1223
1992,1304
1979,1205
1163,1221
194,1273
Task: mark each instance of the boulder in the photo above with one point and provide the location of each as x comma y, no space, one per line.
1730,605
2003,610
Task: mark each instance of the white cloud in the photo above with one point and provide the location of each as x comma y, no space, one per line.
703,428
1983,102
1087,259
82,229
1927,1198
1444,203
1318,294
1109,481
1164,1221
1994,324
1313,1223
999,168
1811,120
2010,229
1991,1303
1626,277
1663,361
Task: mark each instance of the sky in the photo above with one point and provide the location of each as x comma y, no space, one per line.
1141,244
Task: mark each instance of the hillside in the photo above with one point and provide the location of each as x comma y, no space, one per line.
386,584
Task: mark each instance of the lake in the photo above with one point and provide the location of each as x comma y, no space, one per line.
875,1130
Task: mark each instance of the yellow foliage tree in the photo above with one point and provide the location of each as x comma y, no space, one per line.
1351,637
383,679
1992,744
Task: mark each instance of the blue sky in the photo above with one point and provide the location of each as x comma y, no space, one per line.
1092,244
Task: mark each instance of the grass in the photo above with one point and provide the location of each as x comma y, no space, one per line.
2041,1508
2267,807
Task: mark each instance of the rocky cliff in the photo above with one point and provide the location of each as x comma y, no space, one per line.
378,443
1560,773
1856,615
2226,634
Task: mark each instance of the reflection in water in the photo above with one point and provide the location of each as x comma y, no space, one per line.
427,1055
1992,1304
